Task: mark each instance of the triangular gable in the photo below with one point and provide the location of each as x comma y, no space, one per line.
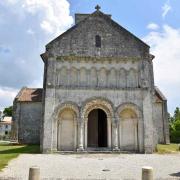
104,16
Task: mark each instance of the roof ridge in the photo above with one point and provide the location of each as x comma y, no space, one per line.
30,95
20,92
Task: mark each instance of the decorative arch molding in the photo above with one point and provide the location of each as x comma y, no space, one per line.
97,103
131,106
139,125
66,105
59,109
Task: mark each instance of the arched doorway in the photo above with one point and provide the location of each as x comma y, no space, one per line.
97,129
128,130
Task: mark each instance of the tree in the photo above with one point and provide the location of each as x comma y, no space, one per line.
8,111
177,114
175,126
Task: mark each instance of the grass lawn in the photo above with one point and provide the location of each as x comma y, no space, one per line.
10,151
167,148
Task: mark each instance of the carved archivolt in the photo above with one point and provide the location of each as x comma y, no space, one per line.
97,103
129,106
93,77
66,106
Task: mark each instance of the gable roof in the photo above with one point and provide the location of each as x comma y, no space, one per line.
107,18
159,94
29,95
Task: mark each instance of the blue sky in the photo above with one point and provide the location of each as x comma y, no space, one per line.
27,25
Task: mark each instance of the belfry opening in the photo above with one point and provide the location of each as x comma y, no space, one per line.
97,128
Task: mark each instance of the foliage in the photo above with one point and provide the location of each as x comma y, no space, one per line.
167,148
175,126
8,111
10,151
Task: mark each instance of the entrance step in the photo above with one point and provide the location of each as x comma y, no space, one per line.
95,151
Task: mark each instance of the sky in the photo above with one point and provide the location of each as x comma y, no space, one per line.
26,26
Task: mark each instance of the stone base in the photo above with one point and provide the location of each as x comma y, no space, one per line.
116,149
80,149
148,150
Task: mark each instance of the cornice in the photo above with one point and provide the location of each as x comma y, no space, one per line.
97,59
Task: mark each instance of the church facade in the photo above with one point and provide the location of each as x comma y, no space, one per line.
98,91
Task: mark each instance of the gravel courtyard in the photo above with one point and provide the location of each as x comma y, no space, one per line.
93,166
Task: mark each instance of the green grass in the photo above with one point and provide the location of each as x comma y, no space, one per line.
10,151
167,148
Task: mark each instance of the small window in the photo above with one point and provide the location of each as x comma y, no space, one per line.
98,41
6,132
6,126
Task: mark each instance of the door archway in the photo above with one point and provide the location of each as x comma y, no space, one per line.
97,129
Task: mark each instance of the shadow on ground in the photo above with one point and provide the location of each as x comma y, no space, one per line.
175,174
31,149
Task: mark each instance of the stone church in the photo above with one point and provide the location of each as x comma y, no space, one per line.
98,92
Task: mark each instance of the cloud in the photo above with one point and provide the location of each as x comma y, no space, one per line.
6,97
30,31
166,8
53,15
165,46
26,26
152,26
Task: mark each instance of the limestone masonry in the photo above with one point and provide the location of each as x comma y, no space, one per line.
98,93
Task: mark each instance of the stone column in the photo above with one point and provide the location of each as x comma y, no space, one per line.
115,135
80,136
49,104
48,124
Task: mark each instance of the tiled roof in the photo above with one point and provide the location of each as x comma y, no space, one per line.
30,95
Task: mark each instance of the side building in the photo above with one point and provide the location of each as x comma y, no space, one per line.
27,115
5,127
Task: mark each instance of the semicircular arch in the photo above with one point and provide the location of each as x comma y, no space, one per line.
130,106
67,105
97,103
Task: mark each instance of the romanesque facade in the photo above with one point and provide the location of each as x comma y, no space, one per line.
99,91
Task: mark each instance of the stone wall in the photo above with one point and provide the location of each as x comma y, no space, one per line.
28,119
80,97
158,122
117,97
115,40
104,74
113,73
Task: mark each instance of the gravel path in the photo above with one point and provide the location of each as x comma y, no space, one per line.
93,166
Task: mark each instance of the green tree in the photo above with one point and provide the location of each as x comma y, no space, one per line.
177,114
175,126
8,111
